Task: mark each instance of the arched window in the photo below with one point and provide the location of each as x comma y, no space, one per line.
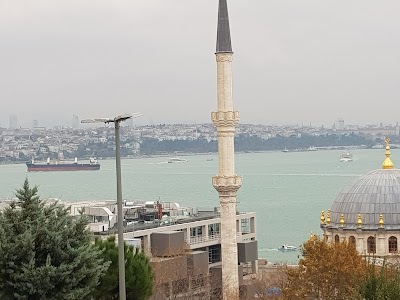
352,240
336,239
371,246
392,244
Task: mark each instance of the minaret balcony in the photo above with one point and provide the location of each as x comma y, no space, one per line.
227,184
225,118
224,57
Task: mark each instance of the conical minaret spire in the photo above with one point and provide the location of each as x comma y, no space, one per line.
227,183
223,31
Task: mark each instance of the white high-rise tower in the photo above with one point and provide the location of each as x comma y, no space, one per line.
75,122
13,122
227,183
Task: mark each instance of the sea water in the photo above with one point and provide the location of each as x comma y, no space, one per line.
287,190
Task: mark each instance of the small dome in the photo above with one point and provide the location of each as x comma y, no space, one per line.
376,193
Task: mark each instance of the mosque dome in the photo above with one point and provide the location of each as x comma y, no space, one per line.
375,196
371,202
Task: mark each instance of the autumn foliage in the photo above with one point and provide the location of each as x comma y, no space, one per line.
326,271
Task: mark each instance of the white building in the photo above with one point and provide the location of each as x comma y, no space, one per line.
13,122
340,124
75,122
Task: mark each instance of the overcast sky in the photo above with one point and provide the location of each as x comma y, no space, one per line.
295,61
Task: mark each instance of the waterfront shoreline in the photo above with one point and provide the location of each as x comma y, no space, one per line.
175,154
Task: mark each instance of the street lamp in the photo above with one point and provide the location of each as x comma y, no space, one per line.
121,257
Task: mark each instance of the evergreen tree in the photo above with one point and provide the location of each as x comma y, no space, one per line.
138,274
45,253
381,282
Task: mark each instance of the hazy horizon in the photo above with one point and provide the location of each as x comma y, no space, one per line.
294,62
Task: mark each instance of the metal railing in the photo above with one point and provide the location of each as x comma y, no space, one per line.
204,239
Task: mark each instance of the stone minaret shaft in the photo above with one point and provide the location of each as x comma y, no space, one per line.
227,183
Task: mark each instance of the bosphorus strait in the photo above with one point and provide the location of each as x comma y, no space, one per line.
286,190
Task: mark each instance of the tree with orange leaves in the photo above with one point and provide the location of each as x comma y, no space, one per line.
328,271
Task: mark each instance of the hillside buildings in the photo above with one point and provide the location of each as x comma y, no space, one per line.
41,142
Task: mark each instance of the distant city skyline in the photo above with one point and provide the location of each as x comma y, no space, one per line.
294,62
74,122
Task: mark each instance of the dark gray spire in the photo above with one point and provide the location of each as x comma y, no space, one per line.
223,31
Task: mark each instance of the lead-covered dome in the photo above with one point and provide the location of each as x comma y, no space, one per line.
376,193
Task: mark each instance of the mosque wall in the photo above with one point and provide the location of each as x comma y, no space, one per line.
382,242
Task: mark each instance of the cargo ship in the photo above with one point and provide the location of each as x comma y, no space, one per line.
63,166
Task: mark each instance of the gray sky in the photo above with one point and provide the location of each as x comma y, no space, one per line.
295,61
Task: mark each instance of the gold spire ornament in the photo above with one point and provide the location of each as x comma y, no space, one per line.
359,221
341,222
387,163
322,217
328,217
381,223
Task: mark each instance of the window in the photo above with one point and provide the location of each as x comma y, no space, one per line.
245,225
371,246
213,229
352,240
392,244
336,239
196,231
214,254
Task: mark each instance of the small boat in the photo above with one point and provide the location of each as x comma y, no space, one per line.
286,247
346,157
210,159
285,150
311,148
176,160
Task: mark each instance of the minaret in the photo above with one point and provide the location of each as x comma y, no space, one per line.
227,183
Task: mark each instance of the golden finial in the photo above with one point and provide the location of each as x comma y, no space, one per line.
322,217
312,236
328,217
381,223
359,221
341,222
387,163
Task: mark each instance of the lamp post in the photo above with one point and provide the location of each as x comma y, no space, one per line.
121,255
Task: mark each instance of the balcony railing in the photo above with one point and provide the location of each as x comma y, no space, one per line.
204,239
194,240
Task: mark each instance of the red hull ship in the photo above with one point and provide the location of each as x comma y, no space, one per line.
93,165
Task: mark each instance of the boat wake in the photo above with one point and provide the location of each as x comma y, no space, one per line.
267,250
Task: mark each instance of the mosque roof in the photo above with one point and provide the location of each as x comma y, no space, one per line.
223,31
370,202
376,193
